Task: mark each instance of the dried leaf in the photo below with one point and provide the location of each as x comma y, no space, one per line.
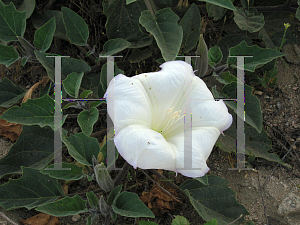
41,219
43,82
10,130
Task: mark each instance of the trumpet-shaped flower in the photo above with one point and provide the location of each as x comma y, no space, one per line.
148,115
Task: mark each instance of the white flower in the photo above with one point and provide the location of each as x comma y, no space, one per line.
148,115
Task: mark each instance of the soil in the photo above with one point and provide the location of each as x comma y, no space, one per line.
261,191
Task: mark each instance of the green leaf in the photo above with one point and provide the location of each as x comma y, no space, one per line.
72,83
23,6
253,115
130,1
69,65
82,148
247,3
123,22
191,25
114,46
203,180
22,153
44,35
113,194
167,33
180,220
31,190
65,207
212,222
260,56
103,178
248,21
257,144
77,30
215,55
38,111
85,93
92,199
104,152
8,55
231,40
215,11
104,208
87,119
223,3
298,13
225,78
201,63
9,93
128,204
12,22
266,38
39,20
103,79
214,201
74,174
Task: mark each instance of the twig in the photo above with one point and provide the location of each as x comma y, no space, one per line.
262,197
171,184
5,217
172,196
278,163
235,220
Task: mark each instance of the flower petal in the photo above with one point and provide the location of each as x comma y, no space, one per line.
127,102
166,88
202,144
144,148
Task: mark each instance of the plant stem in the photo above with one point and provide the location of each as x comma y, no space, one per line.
121,174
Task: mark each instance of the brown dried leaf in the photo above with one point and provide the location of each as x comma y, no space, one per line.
41,219
43,82
10,130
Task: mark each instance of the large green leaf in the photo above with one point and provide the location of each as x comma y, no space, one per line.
68,65
31,190
22,6
87,119
9,93
215,11
65,207
12,22
38,111
122,22
72,83
34,148
256,144
82,148
77,29
215,200
253,115
44,35
103,79
8,55
114,46
166,31
249,21
128,204
191,25
229,41
75,172
223,3
260,56
39,20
